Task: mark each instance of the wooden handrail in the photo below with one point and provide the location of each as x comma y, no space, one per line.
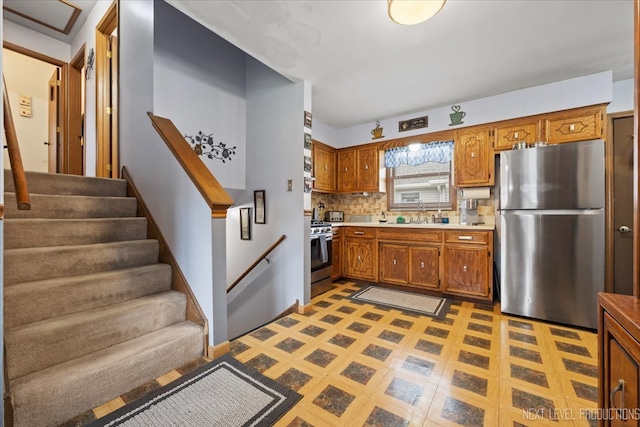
19,178
252,266
215,196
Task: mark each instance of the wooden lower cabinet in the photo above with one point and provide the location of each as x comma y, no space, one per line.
467,271
361,259
424,267
619,360
336,257
394,263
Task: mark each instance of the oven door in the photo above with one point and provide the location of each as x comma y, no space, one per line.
320,252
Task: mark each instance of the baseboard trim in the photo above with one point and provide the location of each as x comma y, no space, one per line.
305,309
218,350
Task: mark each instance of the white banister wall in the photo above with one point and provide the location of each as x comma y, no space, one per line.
180,211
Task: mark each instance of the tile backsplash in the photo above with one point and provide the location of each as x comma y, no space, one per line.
376,203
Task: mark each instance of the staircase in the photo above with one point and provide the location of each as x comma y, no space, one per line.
89,313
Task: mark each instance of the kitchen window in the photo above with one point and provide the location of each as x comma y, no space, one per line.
418,173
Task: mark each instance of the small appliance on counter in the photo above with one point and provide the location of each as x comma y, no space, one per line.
469,212
334,216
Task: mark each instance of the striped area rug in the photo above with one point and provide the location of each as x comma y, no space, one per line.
436,307
222,393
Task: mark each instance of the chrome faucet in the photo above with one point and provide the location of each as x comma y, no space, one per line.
420,209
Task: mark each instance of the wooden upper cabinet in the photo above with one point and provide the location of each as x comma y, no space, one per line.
346,170
575,125
507,135
324,167
473,158
367,173
358,169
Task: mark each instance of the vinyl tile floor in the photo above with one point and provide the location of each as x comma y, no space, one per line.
356,364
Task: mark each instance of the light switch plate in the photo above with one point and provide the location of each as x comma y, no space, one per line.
25,100
25,111
289,185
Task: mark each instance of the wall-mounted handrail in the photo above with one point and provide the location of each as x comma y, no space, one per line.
257,261
19,178
214,194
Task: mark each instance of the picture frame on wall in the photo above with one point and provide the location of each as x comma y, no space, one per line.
307,119
307,163
259,204
307,141
245,223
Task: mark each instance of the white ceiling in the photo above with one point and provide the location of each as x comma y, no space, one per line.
365,68
54,13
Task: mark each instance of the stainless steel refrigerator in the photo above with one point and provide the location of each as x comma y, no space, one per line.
552,232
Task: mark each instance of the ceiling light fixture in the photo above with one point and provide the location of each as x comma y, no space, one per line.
411,12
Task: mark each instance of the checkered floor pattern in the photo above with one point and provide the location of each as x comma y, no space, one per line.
360,365
356,364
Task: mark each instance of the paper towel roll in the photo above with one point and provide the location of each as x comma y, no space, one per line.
476,193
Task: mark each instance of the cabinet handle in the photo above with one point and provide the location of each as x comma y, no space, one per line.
515,135
612,396
326,167
359,258
572,127
465,237
366,167
473,154
394,262
464,268
422,265
359,233
345,169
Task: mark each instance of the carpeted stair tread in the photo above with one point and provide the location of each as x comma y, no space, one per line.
54,206
59,393
50,183
31,233
35,301
32,264
40,345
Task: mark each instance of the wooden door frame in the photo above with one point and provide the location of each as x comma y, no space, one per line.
64,77
609,200
636,152
74,149
105,27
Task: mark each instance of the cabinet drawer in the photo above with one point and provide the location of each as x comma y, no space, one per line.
477,237
410,235
367,232
578,127
336,231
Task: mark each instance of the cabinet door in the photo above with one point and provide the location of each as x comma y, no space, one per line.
473,158
621,372
466,271
361,259
336,259
575,125
424,268
346,170
324,168
394,260
506,136
368,170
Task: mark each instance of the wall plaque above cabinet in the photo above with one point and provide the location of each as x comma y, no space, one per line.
411,124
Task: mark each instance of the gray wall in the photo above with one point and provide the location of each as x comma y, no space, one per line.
275,152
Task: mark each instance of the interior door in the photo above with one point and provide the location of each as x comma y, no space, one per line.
623,205
54,120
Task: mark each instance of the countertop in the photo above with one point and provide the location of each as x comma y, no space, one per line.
480,227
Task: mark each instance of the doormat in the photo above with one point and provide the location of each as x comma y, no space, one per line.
436,307
221,393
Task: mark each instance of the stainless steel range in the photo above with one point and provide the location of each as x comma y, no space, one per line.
321,236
